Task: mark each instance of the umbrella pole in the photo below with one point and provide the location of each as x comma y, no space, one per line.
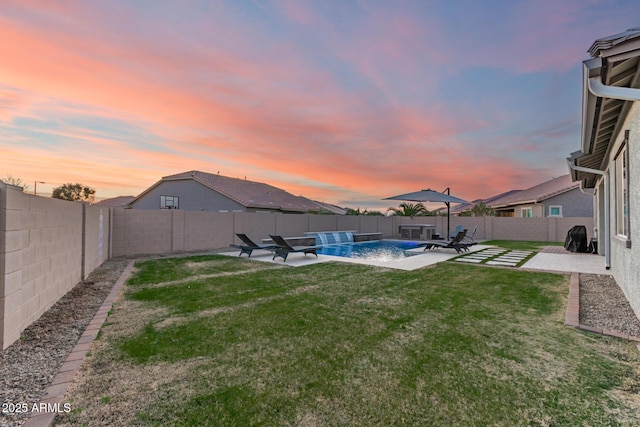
448,220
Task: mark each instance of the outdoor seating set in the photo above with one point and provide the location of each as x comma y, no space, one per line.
280,248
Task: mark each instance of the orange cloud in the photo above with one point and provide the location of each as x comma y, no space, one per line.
218,102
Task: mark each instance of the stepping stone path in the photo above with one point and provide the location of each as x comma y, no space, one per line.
495,256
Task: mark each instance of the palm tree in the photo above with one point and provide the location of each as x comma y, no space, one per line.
409,209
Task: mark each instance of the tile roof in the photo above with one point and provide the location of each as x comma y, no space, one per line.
537,193
605,43
615,64
463,207
115,201
250,194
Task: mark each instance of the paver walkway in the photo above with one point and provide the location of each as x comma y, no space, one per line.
496,256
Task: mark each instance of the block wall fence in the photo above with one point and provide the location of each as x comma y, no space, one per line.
138,232
47,246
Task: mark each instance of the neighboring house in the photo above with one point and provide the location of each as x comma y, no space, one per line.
609,160
328,208
465,207
558,197
201,191
120,201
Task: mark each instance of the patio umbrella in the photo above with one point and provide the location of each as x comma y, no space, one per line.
429,195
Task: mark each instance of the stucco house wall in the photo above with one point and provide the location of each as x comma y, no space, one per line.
625,262
193,197
574,203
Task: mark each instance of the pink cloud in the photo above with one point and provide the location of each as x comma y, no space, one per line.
218,100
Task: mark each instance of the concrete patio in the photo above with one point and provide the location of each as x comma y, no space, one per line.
551,258
556,258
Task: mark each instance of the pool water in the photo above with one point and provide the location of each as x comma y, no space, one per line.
378,250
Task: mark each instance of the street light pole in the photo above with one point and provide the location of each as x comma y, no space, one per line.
35,187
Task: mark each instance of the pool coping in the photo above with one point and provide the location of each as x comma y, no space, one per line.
422,259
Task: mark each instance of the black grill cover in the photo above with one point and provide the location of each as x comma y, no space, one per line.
576,240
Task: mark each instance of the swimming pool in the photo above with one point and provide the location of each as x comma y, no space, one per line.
376,250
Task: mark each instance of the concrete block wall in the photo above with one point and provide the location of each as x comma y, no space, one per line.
207,230
257,226
151,231
41,256
96,237
138,231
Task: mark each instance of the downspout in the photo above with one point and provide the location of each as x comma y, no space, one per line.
592,72
607,225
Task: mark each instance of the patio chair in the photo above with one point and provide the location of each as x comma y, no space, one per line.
283,248
249,245
469,240
455,243
454,233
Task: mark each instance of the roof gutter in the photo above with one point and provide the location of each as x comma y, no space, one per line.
594,88
607,225
599,89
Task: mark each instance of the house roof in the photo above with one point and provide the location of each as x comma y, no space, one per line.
463,207
249,194
115,201
615,64
537,193
330,208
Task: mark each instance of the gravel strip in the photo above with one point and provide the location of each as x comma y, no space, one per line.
29,365
603,305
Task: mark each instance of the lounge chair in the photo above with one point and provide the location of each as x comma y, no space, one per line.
454,233
283,248
469,240
249,245
455,243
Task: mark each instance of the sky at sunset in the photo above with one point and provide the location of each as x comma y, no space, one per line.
342,101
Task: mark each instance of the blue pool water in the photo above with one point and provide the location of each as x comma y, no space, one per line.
379,250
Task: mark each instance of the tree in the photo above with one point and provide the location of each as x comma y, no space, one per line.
482,209
74,192
15,181
364,212
409,209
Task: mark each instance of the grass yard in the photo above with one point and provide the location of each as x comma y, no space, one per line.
214,340
520,245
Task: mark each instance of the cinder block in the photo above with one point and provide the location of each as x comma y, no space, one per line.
40,219
27,292
16,220
16,240
9,337
28,255
12,303
31,308
13,261
12,282
12,324
16,199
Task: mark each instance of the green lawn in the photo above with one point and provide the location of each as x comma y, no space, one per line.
337,344
521,245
